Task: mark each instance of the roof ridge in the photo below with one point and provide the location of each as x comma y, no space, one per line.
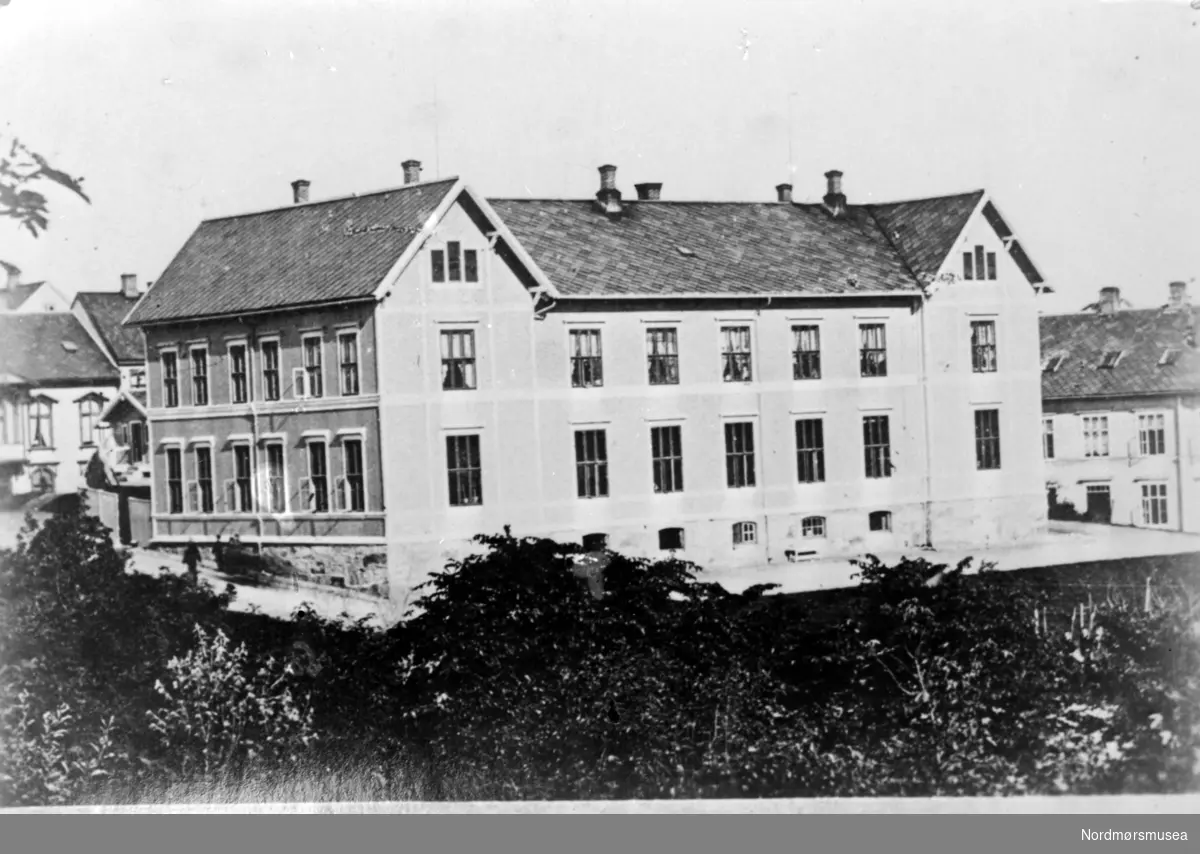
771,202
963,195
414,186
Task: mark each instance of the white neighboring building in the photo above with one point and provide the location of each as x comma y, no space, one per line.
32,298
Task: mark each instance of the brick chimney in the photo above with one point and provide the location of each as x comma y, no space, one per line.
300,191
784,191
1179,295
129,286
412,171
835,199
1110,300
648,192
608,196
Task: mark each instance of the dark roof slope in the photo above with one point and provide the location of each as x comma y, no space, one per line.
1142,336
16,296
52,347
108,310
676,248
298,255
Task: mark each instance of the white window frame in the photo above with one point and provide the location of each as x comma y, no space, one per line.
195,507
329,504
269,338
172,350
1095,421
305,337
268,442
192,348
339,334
234,444
1164,498
230,343
745,533
342,487
1144,432
808,528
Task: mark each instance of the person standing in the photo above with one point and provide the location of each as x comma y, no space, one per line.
191,559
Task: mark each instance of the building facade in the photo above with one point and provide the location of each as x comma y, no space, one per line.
1121,412
734,382
28,298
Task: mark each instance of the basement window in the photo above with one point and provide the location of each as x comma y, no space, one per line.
880,520
670,539
595,542
1111,357
1169,357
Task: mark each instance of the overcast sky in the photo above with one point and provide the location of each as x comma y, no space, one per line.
1082,119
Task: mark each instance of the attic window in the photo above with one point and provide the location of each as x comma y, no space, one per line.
1053,363
685,252
979,265
1111,357
70,346
1169,357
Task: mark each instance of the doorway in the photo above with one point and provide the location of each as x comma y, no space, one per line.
1099,503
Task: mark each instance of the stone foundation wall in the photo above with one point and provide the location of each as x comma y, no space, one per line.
982,522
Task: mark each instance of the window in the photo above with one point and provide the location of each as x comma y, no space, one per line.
872,353
454,261
595,542
1110,359
662,354
471,265
41,430
745,533
437,258
1151,435
735,354
137,378
199,376
348,362
670,538
312,366
739,454
810,450
170,369
1154,503
137,442
1048,438
241,490
591,463
174,480
89,417
317,499
1169,357
1053,362
877,447
270,370
987,439
464,470
587,368
1095,435
202,501
238,390
276,493
458,359
806,352
983,346
812,526
979,265
880,520
355,496
666,450
42,478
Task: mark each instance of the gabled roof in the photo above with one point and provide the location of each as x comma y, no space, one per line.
924,230
125,405
53,347
1141,336
108,310
306,254
17,295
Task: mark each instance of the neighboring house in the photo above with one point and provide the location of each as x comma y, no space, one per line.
740,383
123,447
58,382
31,298
1121,411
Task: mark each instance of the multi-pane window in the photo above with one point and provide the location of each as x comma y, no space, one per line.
987,438
464,470
137,442
348,362
312,366
437,260
1154,504
662,354
735,354
454,261
879,520
983,346
199,376
41,431
591,463
587,368
877,447
1152,434
355,494
238,389
243,480
471,265
270,370
276,502
739,454
666,452
318,478
806,352
203,500
810,450
979,264
1048,438
170,372
812,526
458,359
1095,435
174,480
745,533
872,350
89,417
670,538
137,378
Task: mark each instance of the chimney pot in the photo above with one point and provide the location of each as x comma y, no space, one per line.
648,192
608,177
835,199
608,196
1179,294
784,191
129,285
300,191
1110,300
412,171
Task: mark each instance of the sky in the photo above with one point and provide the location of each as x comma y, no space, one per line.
1081,118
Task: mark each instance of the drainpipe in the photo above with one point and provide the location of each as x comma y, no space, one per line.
928,486
251,346
1179,459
